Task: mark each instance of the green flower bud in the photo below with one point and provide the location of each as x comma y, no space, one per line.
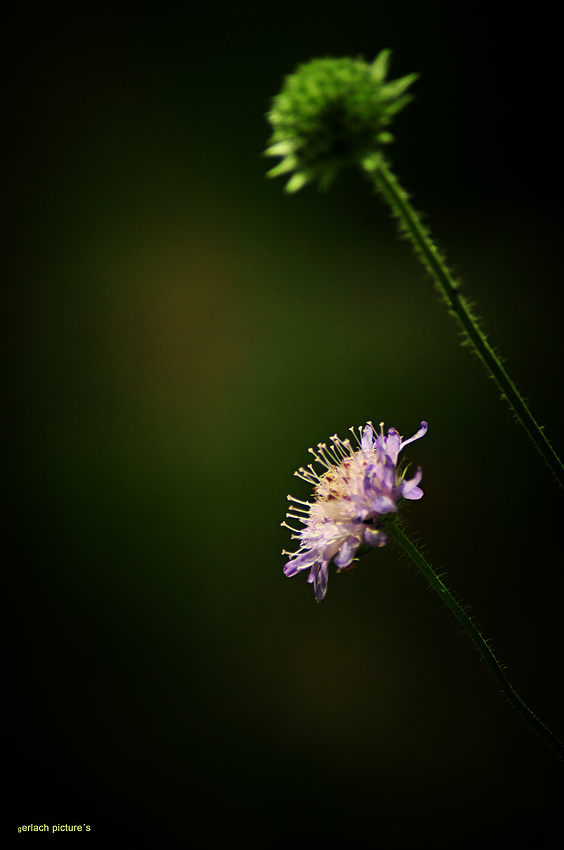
332,113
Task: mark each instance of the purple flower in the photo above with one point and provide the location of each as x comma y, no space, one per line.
355,490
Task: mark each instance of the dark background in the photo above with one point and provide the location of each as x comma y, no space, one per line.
178,332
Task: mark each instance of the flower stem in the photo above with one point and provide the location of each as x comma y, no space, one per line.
413,228
479,641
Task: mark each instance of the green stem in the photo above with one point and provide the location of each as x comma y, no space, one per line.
414,229
479,640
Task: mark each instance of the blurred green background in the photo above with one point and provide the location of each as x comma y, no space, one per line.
178,333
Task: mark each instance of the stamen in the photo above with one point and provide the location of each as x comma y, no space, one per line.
331,451
324,452
300,501
352,429
300,510
320,460
296,531
309,475
338,443
348,447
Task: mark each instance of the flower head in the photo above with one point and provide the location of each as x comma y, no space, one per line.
356,489
331,113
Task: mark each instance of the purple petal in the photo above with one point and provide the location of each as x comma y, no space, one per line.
408,485
367,441
393,444
302,562
290,569
421,433
414,494
318,576
389,474
383,505
374,537
347,552
409,489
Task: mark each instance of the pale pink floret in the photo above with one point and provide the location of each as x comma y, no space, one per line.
356,489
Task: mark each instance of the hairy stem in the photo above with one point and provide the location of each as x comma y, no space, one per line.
479,641
411,225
